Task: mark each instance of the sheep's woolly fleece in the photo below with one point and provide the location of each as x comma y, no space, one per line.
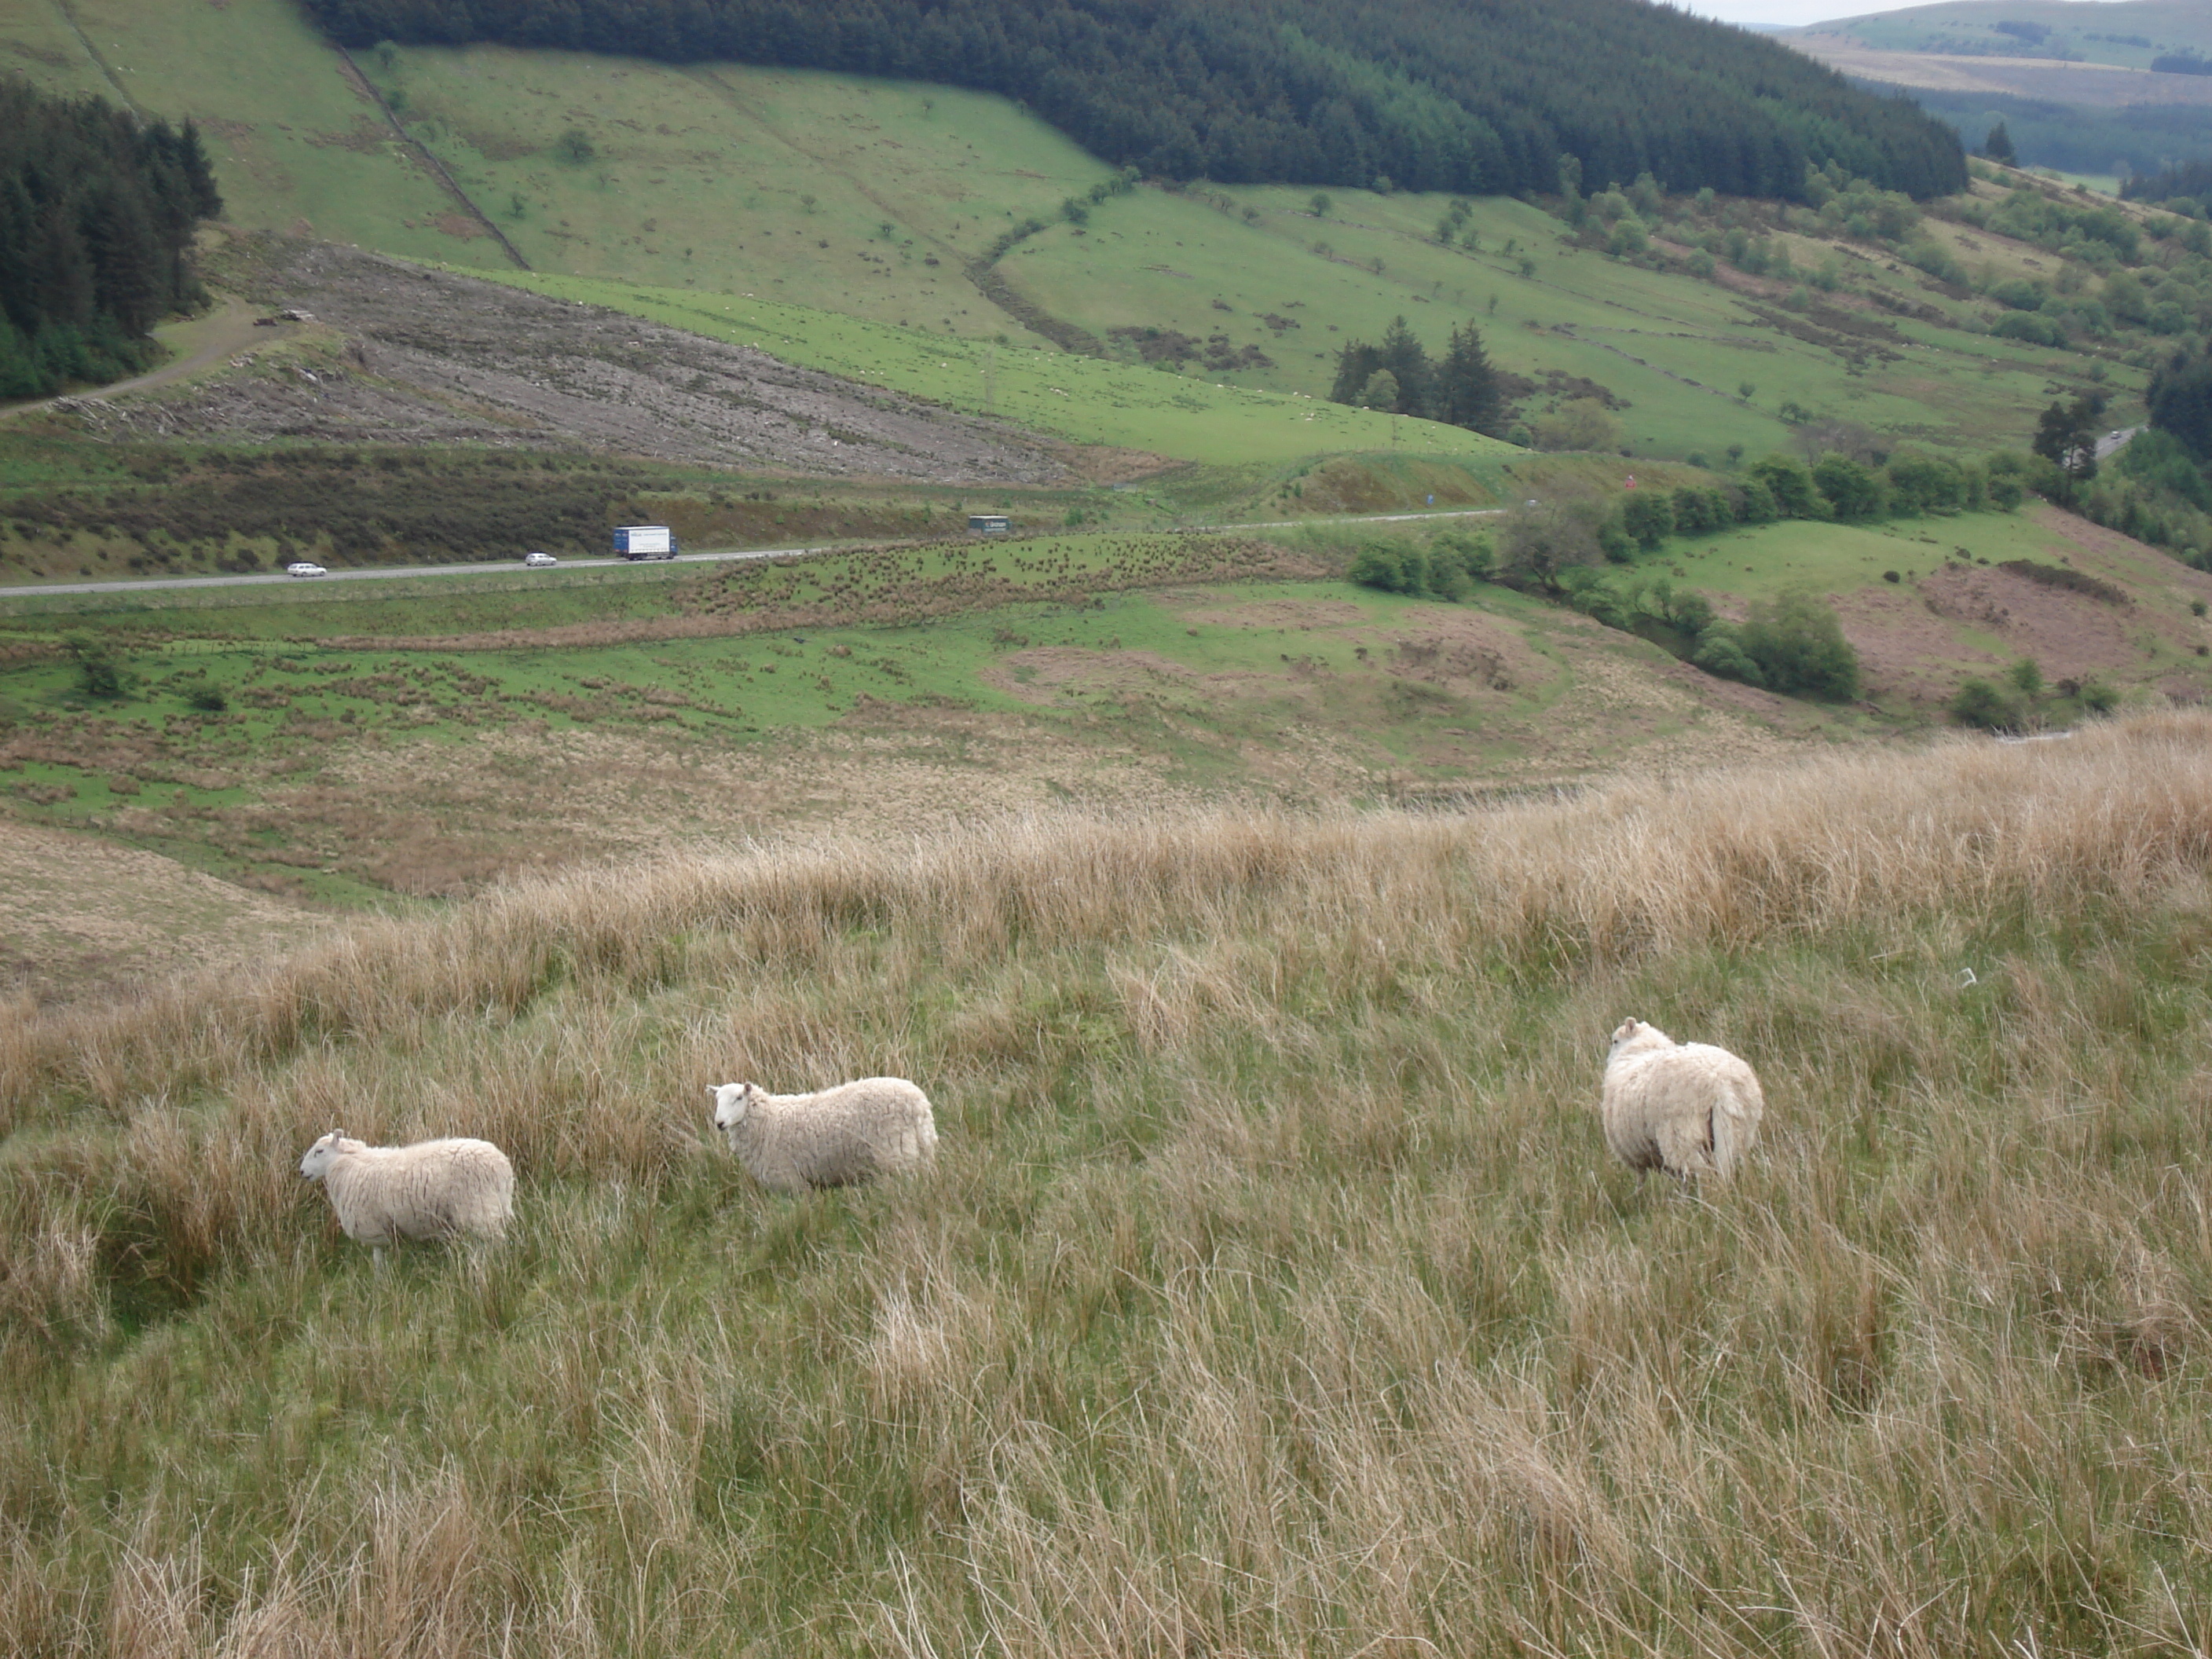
432,1189
1687,1107
853,1132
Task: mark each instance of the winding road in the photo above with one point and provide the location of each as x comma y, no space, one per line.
220,335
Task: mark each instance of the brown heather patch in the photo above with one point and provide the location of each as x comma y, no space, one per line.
884,588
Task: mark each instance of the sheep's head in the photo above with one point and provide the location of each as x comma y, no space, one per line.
1635,1036
731,1100
324,1153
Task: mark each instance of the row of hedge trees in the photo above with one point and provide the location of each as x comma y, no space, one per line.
1792,645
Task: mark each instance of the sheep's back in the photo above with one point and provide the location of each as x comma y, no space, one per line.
433,1189
1690,1107
853,1132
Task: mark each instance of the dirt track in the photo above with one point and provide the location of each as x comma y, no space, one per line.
230,330
419,356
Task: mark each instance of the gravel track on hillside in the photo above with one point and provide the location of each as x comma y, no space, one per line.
432,358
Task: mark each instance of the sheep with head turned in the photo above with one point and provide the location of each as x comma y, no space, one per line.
431,1189
1687,1107
834,1138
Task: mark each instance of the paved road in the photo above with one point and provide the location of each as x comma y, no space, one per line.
391,573
2112,442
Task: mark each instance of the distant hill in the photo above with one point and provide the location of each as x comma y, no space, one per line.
1332,92
2098,89
2129,33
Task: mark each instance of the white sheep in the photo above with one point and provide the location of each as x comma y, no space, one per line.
853,1132
432,1189
1687,1107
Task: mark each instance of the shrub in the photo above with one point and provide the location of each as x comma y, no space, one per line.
2030,326
209,699
1791,482
1649,517
1853,491
98,673
1800,647
1921,483
1392,567
1720,652
1978,702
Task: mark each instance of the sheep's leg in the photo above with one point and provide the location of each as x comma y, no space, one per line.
376,1257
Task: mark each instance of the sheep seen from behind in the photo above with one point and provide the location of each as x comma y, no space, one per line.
431,1189
1687,1107
838,1137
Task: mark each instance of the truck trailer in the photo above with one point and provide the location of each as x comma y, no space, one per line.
644,541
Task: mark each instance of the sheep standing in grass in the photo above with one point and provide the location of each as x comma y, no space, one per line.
853,1132
432,1189
1687,1107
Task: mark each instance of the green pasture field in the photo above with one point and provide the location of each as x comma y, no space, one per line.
1835,560
296,148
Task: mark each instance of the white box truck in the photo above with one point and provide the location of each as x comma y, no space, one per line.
644,541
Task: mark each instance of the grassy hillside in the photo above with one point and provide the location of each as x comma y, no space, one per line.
870,200
1273,1292
423,739
1084,399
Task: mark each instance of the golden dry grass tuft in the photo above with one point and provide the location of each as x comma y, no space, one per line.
1271,1293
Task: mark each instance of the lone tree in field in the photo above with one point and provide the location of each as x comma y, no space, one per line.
1998,146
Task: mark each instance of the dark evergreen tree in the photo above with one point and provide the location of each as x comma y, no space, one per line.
1998,146
2066,436
1467,387
96,218
1407,361
2181,401
1355,363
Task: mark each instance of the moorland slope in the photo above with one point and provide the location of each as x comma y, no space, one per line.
1273,1292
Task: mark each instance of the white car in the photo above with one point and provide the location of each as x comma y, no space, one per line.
539,560
305,568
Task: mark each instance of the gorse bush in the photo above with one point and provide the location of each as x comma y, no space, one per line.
1273,1292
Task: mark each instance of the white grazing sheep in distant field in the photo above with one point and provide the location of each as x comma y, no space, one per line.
432,1189
853,1132
1687,1107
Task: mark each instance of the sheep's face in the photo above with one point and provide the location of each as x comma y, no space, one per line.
1634,1036
321,1155
731,1100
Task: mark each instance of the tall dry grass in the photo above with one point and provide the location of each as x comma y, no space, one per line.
1272,1294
